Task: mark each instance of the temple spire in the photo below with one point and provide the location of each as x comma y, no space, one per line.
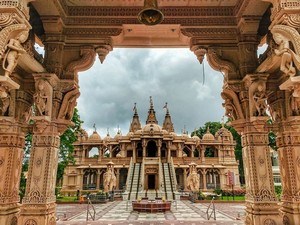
168,125
151,113
135,123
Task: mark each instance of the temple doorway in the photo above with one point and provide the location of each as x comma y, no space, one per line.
151,149
151,181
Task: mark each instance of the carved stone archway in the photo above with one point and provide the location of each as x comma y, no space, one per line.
73,33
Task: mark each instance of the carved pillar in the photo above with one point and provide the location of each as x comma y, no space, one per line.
288,141
11,155
261,202
39,201
204,179
184,178
118,178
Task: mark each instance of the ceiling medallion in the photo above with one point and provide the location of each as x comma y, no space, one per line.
150,15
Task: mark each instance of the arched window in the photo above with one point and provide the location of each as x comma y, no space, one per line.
151,149
93,152
89,179
211,152
187,151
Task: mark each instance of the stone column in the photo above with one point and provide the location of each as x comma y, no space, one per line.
261,202
98,179
184,178
118,178
39,201
134,153
11,155
204,179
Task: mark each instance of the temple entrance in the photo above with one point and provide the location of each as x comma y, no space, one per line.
151,149
151,181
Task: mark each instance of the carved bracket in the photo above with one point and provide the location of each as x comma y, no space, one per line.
85,62
217,63
200,52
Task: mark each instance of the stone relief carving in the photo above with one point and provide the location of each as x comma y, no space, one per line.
217,63
290,60
69,102
42,97
4,100
269,222
232,105
256,85
85,62
30,222
13,50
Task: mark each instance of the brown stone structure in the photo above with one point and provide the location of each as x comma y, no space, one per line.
152,160
74,32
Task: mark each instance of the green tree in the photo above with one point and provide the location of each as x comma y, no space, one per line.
66,147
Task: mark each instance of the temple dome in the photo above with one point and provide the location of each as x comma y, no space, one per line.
107,138
224,133
152,128
208,136
95,136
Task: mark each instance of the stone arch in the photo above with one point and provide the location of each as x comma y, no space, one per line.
151,149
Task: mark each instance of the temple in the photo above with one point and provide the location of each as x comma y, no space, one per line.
152,160
38,95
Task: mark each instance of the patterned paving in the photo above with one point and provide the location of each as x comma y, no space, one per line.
185,212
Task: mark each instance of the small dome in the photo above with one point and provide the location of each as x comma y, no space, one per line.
173,134
118,135
107,138
208,136
152,128
119,155
224,133
196,138
130,134
95,136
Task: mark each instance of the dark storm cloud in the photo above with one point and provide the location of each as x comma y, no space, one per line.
108,91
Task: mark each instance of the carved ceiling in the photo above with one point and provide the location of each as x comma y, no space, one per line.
207,21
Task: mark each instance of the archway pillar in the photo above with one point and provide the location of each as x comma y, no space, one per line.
288,141
261,201
11,155
39,201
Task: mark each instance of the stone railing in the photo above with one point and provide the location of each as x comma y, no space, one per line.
105,161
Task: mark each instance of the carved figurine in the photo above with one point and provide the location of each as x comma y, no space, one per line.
260,100
289,59
69,102
13,50
42,98
110,180
4,100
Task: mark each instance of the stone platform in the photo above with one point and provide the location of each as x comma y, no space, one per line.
121,213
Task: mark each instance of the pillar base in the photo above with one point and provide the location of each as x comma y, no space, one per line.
9,214
266,213
38,214
290,213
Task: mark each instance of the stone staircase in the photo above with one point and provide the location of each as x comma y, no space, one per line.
168,186
151,194
134,181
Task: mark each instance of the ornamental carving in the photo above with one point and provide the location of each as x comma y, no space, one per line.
4,100
12,52
217,63
14,221
232,105
68,105
43,98
256,84
269,222
290,56
285,220
85,62
30,222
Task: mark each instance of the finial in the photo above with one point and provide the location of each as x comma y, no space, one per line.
207,130
94,127
166,107
184,129
108,131
119,130
134,108
151,102
222,121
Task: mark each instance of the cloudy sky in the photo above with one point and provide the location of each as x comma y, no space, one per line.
109,90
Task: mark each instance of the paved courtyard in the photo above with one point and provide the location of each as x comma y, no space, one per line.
119,212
